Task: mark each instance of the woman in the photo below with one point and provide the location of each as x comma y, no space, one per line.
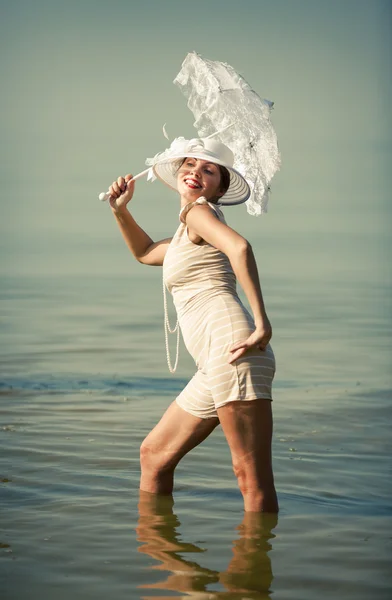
236,365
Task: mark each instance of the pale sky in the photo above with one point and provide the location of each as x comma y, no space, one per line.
87,86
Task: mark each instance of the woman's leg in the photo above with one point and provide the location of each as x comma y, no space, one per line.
176,433
247,426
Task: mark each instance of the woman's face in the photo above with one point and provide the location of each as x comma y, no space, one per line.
197,178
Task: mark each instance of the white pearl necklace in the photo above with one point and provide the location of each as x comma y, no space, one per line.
168,330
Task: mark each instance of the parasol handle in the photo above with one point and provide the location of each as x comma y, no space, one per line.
105,195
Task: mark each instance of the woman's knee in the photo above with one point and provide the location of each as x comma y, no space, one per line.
251,478
259,493
244,477
147,454
152,458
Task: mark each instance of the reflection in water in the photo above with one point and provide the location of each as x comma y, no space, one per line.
249,571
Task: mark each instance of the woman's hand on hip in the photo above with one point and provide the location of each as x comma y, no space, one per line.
121,192
259,339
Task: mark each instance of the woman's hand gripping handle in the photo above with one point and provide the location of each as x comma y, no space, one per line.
121,192
108,195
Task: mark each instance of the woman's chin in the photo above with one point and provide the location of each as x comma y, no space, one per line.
192,195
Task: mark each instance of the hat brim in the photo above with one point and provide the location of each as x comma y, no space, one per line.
237,192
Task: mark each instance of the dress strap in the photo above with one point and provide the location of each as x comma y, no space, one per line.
185,209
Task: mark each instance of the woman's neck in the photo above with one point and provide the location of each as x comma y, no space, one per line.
185,201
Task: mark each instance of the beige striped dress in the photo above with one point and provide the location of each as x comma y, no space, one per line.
212,318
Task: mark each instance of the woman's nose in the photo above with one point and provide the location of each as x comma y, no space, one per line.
195,170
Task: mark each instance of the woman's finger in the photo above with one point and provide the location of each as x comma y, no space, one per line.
249,343
236,355
239,345
238,351
116,188
121,183
113,191
130,185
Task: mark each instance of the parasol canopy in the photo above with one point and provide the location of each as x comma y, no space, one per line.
224,105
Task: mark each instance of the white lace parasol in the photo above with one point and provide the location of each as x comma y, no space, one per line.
224,104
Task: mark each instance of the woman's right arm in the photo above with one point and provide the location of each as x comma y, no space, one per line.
144,249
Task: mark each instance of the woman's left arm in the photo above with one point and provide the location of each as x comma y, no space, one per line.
202,221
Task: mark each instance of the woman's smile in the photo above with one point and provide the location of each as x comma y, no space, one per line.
192,183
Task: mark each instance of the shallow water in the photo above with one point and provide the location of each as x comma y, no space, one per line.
84,379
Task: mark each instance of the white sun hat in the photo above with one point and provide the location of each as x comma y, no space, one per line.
166,164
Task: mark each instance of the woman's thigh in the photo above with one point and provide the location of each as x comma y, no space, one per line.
247,426
176,434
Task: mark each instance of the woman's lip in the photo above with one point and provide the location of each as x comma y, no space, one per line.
192,183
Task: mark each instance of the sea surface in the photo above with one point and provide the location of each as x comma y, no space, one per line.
84,379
